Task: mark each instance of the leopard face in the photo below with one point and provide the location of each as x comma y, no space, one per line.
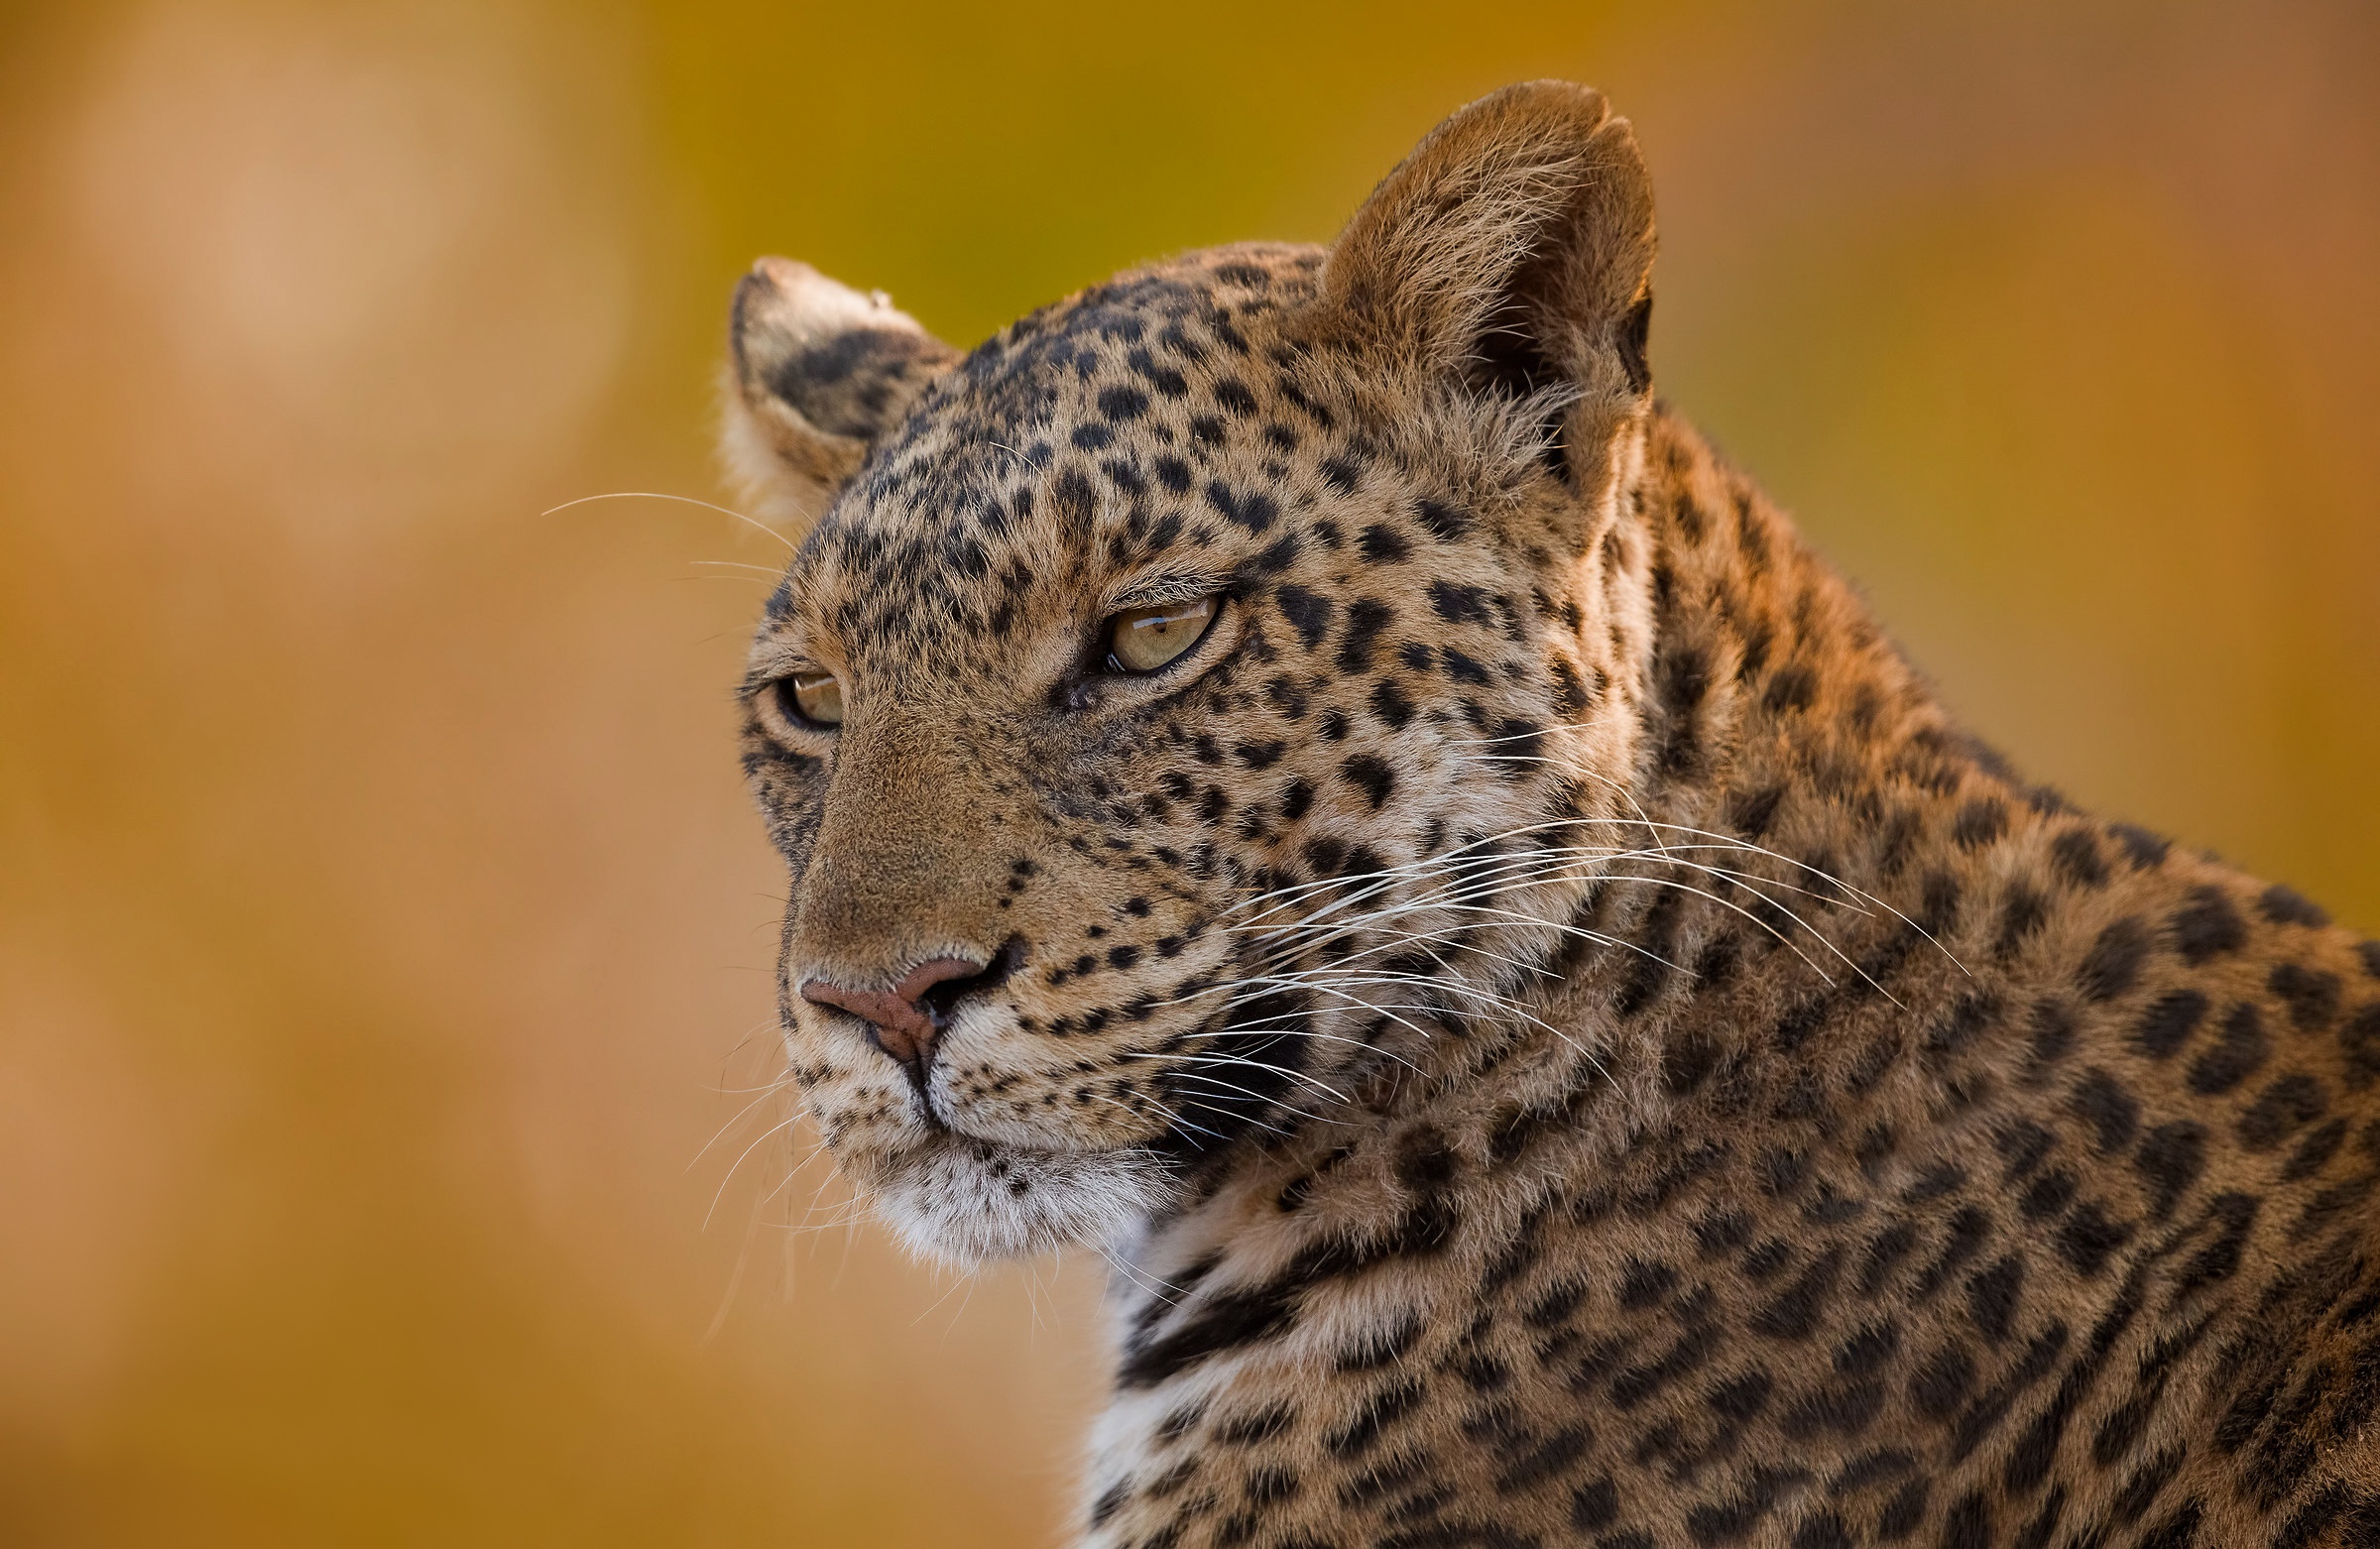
1072,915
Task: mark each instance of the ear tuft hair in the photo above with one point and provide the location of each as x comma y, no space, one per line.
819,373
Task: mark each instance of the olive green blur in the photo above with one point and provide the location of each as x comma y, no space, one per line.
388,1153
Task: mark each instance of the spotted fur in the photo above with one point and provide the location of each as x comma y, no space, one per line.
1571,1042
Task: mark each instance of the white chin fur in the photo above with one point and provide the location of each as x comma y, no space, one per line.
958,1203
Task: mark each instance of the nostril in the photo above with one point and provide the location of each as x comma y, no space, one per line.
906,1020
941,999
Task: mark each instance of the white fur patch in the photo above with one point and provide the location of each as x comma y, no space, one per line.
961,1202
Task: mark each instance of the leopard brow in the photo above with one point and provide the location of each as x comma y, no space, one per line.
1167,586
774,662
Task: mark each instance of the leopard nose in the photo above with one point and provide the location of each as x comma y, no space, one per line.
905,1019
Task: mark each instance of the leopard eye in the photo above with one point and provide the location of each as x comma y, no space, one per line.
1143,639
811,697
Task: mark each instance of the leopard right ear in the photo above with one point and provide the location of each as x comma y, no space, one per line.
819,373
1512,255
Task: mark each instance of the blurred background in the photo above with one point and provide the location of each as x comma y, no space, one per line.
384,1155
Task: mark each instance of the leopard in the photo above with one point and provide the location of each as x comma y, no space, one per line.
1301,773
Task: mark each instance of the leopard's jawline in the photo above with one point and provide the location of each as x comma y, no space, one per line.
958,1200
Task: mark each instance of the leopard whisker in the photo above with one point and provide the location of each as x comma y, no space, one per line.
1254,1064
721,1193
1257,1098
782,1084
1276,1030
1163,1110
686,500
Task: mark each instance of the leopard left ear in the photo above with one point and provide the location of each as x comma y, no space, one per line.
1511,253
820,372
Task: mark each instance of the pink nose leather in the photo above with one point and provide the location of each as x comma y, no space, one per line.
903,1028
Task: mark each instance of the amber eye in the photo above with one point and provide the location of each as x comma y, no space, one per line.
1143,639
812,696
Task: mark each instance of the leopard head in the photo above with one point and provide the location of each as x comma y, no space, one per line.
1167,707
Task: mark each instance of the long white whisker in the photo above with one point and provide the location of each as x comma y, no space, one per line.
1253,1065
689,499
782,1084
721,1193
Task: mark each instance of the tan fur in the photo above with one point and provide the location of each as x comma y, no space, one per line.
1574,1044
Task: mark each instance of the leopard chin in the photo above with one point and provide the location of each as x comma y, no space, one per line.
963,1202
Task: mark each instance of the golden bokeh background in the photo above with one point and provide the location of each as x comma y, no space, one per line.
383,929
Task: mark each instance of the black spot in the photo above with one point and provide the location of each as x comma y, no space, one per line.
2024,914
2288,906
2087,1237
1794,687
1122,402
1389,703
1366,619
1459,604
1904,1512
2075,853
2208,925
1382,545
1461,668
2114,963
1279,556
1941,1384
1442,521
1545,1460
1687,1062
2311,996
1253,510
1969,1525
1980,823
1371,775
1256,1426
1232,1319
1380,1410
2146,851
1380,1347
2361,1037
2238,1056
1749,812
1682,677
2281,1110
1992,1297
1794,1313
1307,612
1824,1531
2052,1036
2169,1021
2314,1153
2169,1159
2112,1112
1595,1506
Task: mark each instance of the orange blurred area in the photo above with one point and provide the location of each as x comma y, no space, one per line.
387,1147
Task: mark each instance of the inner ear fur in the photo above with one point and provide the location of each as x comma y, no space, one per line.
1512,252
818,373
